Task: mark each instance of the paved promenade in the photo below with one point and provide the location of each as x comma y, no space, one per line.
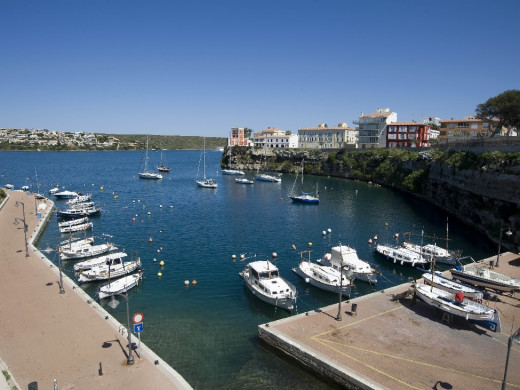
45,335
392,343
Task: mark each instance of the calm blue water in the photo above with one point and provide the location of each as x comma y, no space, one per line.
208,332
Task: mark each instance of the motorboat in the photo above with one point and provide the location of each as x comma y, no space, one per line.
304,197
441,255
353,267
402,256
484,277
82,206
78,213
88,250
147,174
70,244
457,305
9,186
66,194
79,199
263,279
323,276
243,180
438,281
77,228
269,178
73,222
120,285
104,272
205,182
52,191
25,188
232,172
110,259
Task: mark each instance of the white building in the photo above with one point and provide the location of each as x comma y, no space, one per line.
432,120
324,137
372,128
275,138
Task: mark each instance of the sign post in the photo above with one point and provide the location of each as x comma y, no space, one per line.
138,328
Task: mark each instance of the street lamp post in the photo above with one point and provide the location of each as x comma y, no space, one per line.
516,338
130,359
508,233
338,317
25,227
62,290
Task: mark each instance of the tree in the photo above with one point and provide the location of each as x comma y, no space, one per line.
505,107
247,132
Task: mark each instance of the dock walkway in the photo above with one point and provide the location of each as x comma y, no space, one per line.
47,336
390,342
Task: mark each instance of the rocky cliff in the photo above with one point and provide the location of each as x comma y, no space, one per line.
482,188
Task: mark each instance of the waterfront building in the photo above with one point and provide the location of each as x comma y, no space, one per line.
237,137
275,138
372,128
469,127
408,134
324,137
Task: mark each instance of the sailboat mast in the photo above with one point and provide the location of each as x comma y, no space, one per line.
446,234
204,157
146,156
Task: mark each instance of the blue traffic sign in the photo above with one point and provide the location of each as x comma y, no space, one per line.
138,328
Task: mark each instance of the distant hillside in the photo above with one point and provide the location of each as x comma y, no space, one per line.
168,141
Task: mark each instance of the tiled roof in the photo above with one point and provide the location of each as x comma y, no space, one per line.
412,123
327,128
466,120
377,115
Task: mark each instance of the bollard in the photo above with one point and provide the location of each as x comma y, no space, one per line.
354,309
100,369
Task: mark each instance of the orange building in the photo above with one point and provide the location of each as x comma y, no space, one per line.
468,127
237,137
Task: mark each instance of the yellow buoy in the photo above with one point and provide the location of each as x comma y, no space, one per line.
310,243
159,274
294,247
101,188
161,263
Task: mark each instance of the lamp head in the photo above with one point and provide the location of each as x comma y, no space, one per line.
509,232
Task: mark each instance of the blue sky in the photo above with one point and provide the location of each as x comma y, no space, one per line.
202,67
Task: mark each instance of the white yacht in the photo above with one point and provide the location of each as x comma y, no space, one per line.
110,259
104,272
323,276
402,256
441,255
263,279
353,267
84,251
119,286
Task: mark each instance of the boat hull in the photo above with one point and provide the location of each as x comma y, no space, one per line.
468,310
150,175
232,172
119,286
345,290
479,281
268,178
305,199
286,303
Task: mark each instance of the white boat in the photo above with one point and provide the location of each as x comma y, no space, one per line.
25,188
78,213
162,167
79,199
304,197
110,259
322,276
430,250
119,286
262,278
146,174
205,182
52,191
82,206
484,277
464,308
104,272
66,194
71,244
452,286
231,171
77,228
243,180
270,178
72,222
402,256
353,266
9,186
86,251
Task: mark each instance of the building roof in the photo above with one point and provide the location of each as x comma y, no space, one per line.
327,128
412,123
377,115
467,120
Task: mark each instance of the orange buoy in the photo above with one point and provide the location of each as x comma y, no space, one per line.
150,239
194,282
133,219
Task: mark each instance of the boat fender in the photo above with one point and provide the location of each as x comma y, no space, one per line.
458,268
401,262
395,261
307,280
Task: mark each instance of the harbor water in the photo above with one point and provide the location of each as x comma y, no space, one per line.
207,329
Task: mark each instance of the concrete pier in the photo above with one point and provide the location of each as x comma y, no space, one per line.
67,337
392,342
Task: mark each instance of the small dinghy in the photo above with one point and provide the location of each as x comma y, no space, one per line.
119,286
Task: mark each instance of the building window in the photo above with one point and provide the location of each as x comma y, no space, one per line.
485,125
403,128
402,136
451,125
392,136
474,125
463,124
412,129
392,129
